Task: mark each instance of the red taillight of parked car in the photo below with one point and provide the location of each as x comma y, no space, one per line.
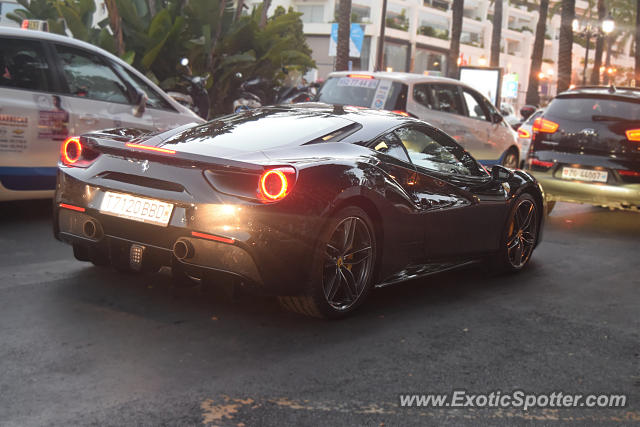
524,133
634,174
539,164
275,184
541,125
73,153
633,135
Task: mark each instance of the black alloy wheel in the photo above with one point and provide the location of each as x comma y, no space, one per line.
510,159
348,262
523,232
343,267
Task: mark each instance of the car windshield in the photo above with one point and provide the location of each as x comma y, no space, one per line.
257,130
594,109
364,91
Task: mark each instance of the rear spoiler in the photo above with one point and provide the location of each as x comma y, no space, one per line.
140,144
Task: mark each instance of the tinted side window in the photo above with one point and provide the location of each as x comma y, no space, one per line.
88,76
447,99
397,97
391,145
433,151
422,95
474,106
23,65
154,99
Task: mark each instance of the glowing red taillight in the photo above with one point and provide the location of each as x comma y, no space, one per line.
628,173
72,207
71,150
523,133
633,135
360,76
74,153
540,163
275,184
400,112
544,125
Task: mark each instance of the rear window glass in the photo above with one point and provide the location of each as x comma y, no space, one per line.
362,92
593,109
257,131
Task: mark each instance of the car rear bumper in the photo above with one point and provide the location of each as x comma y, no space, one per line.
613,196
263,249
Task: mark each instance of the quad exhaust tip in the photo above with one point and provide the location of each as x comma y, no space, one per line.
90,229
183,249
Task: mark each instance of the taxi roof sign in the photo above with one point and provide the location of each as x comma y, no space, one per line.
35,24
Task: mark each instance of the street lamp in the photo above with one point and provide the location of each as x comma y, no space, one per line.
606,27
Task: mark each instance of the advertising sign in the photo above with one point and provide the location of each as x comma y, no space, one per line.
485,80
355,40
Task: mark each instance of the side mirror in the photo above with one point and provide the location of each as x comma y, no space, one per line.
496,118
527,111
501,174
141,103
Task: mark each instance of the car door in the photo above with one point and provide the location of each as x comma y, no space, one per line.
441,105
94,95
501,134
163,114
31,125
479,117
462,209
395,162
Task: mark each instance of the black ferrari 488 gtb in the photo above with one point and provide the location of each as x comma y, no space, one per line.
313,203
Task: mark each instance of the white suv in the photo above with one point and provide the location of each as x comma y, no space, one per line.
447,104
52,87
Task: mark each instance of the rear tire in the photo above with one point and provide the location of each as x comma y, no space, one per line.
81,253
519,237
550,206
510,159
342,268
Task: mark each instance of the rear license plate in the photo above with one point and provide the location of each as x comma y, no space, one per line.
584,174
136,208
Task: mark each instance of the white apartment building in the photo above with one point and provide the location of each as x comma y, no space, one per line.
417,37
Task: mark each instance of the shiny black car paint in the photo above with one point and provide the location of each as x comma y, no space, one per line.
424,222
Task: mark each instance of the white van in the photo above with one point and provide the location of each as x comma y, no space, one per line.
52,87
447,104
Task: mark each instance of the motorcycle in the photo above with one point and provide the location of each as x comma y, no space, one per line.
259,91
197,98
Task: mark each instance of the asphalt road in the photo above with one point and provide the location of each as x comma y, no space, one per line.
81,345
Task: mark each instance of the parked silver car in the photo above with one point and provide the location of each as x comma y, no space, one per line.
53,87
445,103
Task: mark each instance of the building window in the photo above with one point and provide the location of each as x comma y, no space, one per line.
311,13
432,62
395,56
472,39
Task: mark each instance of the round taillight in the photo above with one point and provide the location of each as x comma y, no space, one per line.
275,183
71,150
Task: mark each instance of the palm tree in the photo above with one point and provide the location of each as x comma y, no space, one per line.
496,34
533,97
565,44
457,9
637,52
597,58
344,32
115,21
